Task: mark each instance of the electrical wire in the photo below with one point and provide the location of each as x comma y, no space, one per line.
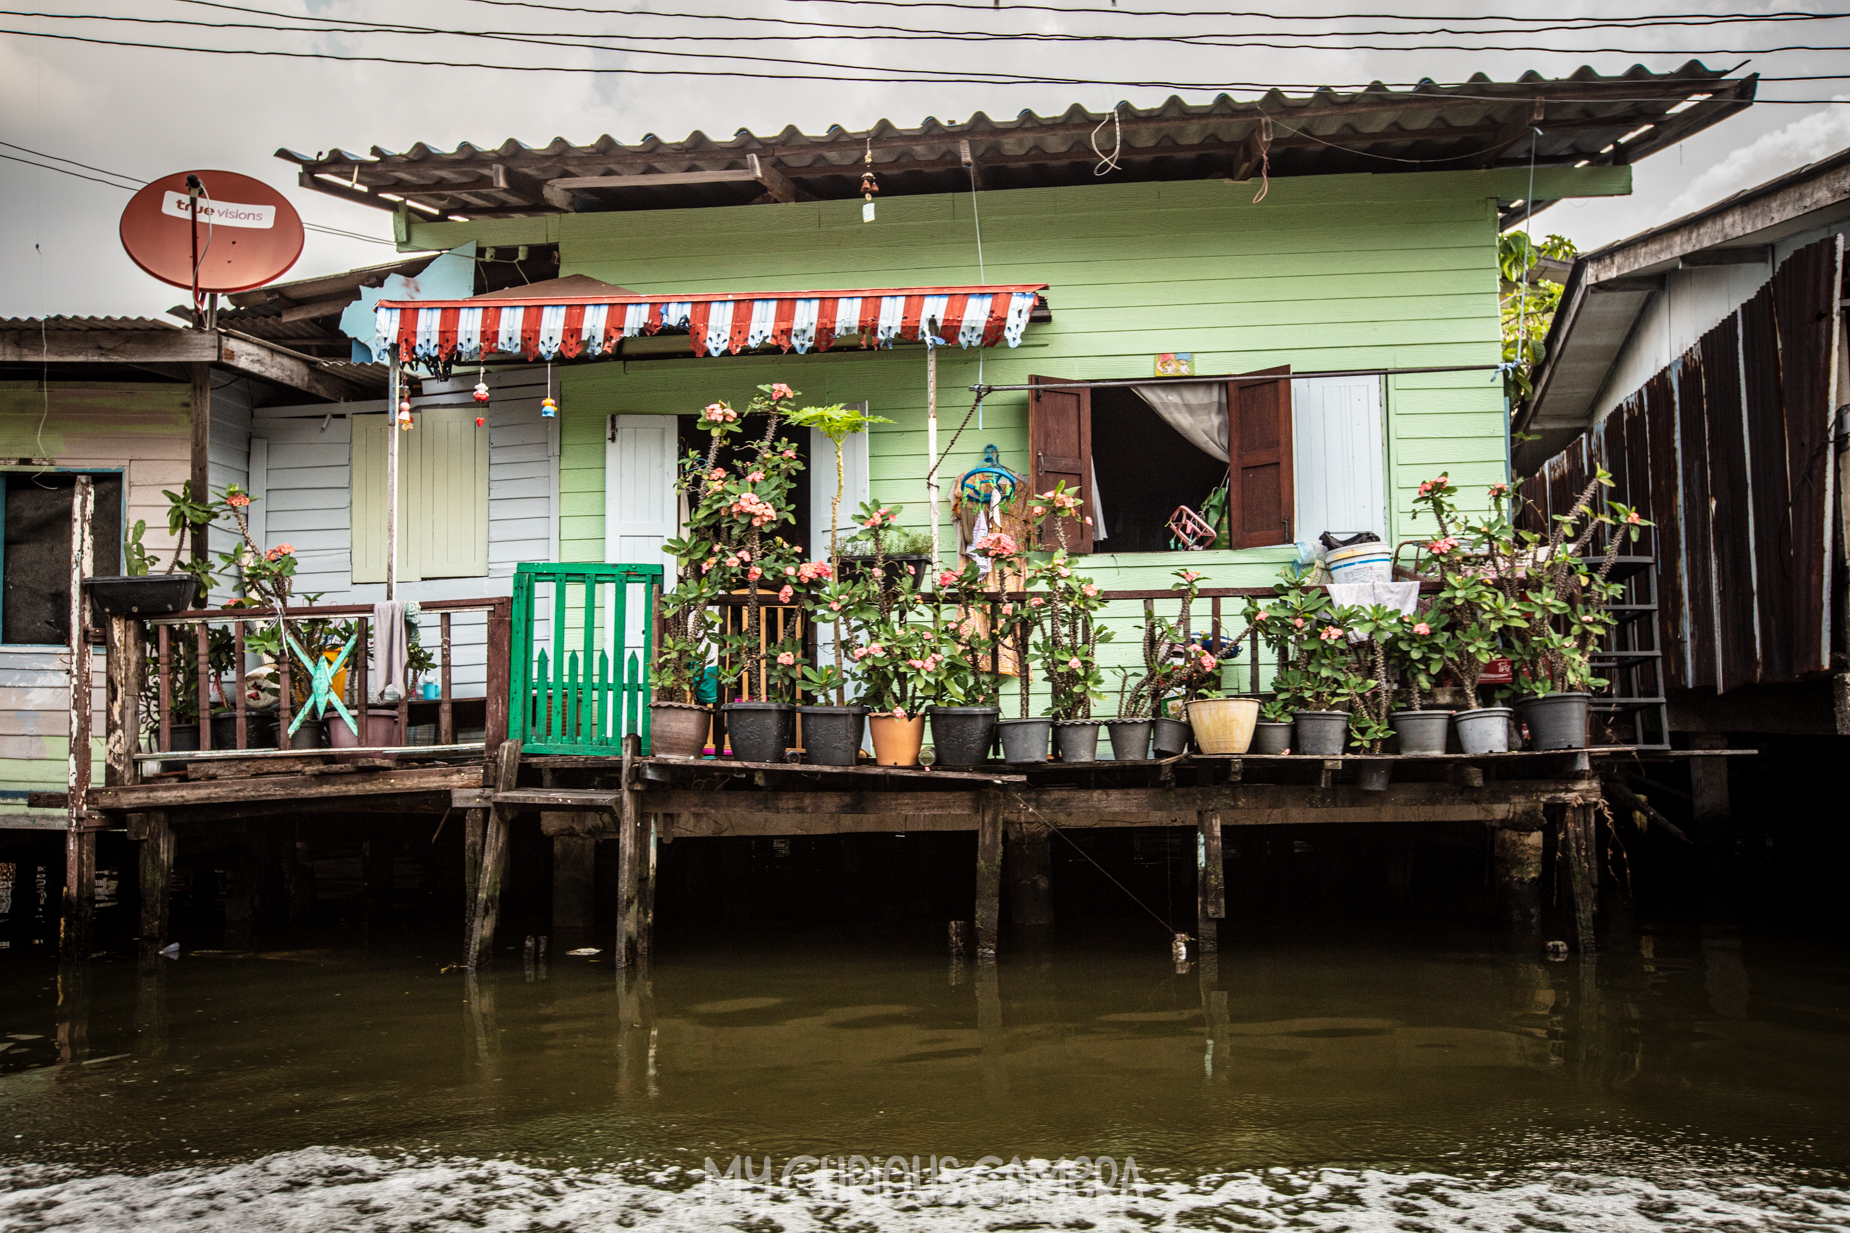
885,77
135,186
1115,11
572,40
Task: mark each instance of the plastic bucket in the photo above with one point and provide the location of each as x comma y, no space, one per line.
962,735
1130,739
1271,738
1421,732
1557,721
1361,563
1077,739
1025,740
1484,731
1223,725
1323,733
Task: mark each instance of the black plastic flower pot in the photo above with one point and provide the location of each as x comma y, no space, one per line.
1024,740
832,734
962,735
1270,737
1374,776
1077,739
1485,730
1421,732
259,730
1130,739
182,738
1322,733
1557,721
1170,737
760,731
143,594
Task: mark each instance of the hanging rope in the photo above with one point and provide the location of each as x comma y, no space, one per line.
1168,929
1108,163
933,473
1264,160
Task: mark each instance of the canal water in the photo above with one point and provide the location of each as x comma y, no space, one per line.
858,1081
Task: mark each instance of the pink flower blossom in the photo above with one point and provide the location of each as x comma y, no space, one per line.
708,564
1036,602
1208,662
780,390
1422,629
279,552
1088,520
1499,488
745,556
790,455
1330,633
754,573
1633,518
1189,575
1039,510
835,605
732,562
756,477
786,659
783,596
1065,572
237,500
914,664
876,649
717,473
1298,621
947,577
1074,663
858,652
1090,590
1262,615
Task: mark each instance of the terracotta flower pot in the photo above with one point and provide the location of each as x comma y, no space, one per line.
897,740
678,729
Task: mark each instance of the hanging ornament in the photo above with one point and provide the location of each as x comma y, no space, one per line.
480,420
481,391
404,415
869,185
548,408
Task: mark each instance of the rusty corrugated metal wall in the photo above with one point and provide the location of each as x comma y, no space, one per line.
1728,451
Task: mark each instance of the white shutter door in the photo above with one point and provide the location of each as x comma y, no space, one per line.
1339,461
639,495
855,488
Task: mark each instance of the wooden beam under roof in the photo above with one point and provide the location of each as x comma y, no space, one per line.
240,352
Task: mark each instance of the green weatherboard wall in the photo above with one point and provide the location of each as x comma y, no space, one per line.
1332,272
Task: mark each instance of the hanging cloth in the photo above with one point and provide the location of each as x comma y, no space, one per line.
391,650
1198,412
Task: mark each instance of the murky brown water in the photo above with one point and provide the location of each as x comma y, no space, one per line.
1686,1080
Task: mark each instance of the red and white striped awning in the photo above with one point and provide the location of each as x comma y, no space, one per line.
569,326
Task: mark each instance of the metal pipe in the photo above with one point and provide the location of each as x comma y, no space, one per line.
391,481
986,390
931,447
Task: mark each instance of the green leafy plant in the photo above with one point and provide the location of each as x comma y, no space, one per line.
1527,306
1062,614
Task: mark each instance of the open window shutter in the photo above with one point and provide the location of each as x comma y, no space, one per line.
368,530
639,492
1060,441
446,494
1260,498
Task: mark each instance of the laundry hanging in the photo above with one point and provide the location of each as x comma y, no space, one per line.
565,327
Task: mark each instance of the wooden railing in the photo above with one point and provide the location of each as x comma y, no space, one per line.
184,660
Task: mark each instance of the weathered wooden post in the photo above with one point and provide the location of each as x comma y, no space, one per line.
475,837
988,874
1210,881
79,841
645,906
574,886
1578,845
494,857
629,854
1516,858
1030,868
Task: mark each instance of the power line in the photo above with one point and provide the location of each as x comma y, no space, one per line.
885,77
1115,11
134,186
574,40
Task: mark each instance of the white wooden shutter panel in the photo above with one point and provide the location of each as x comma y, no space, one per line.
447,493
639,494
368,462
1341,466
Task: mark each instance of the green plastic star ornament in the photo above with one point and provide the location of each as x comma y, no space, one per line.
321,683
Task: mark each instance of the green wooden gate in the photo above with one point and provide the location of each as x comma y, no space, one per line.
578,677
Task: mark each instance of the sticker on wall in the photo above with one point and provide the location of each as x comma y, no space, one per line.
1175,364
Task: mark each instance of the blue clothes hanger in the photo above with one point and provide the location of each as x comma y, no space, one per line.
980,481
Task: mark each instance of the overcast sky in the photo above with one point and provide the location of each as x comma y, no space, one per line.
142,113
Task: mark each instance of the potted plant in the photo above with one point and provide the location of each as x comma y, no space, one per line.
1069,638
142,592
831,726
1025,738
1272,730
1416,649
895,657
1174,663
1369,628
1320,677
1477,609
1275,620
964,713
1219,724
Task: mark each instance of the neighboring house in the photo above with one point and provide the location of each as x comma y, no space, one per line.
1705,364
1351,239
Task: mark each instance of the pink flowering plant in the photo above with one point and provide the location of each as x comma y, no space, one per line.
1540,599
1176,662
1068,635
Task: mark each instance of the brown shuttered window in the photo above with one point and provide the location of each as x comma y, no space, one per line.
1260,494
1060,439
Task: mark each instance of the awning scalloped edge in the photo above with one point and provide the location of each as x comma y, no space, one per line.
440,331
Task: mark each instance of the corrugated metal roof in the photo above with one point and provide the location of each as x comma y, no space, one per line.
65,325
1480,123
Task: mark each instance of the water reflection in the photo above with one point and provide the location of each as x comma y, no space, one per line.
1452,1057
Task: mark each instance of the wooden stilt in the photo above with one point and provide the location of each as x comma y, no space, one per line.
1030,869
574,884
494,858
157,847
1516,857
629,856
645,909
1578,845
1210,881
79,895
475,834
79,900
73,1012
988,875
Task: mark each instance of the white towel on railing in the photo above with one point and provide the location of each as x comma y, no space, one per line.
391,650
1404,596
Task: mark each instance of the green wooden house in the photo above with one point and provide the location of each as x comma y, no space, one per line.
1346,243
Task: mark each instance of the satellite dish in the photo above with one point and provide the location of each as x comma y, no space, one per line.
244,233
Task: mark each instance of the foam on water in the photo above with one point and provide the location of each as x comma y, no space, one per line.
320,1189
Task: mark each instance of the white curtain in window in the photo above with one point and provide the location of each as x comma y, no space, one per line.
1197,411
